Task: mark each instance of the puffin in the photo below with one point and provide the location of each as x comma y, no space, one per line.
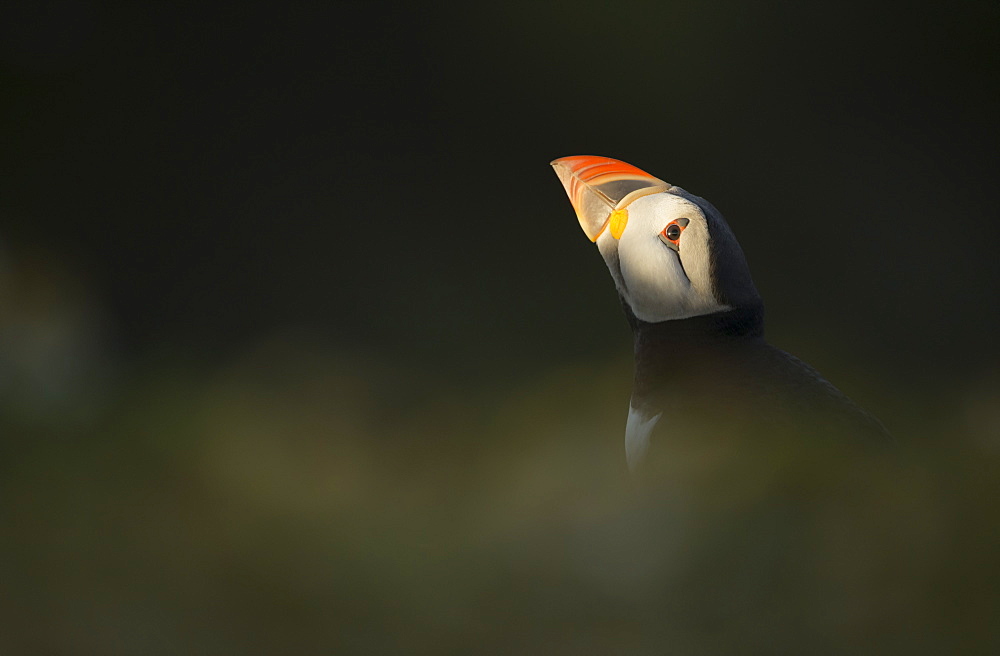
705,377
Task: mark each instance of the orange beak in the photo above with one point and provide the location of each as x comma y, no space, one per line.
600,188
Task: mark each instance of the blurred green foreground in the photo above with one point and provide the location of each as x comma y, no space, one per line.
303,499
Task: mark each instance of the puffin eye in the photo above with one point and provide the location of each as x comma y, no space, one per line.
672,233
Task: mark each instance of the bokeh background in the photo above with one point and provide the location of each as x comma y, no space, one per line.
303,351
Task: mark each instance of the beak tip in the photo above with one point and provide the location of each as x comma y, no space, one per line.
598,186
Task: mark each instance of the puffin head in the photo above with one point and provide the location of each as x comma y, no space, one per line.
671,253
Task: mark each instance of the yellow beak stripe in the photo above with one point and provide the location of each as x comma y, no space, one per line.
617,222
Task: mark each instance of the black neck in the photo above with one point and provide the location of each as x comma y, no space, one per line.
666,348
729,325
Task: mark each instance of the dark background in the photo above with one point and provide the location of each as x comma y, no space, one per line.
288,292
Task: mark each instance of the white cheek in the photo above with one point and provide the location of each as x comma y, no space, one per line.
657,287
661,284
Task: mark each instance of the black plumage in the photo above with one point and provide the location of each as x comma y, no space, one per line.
716,378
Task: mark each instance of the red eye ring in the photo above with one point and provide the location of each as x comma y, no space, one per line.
672,232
